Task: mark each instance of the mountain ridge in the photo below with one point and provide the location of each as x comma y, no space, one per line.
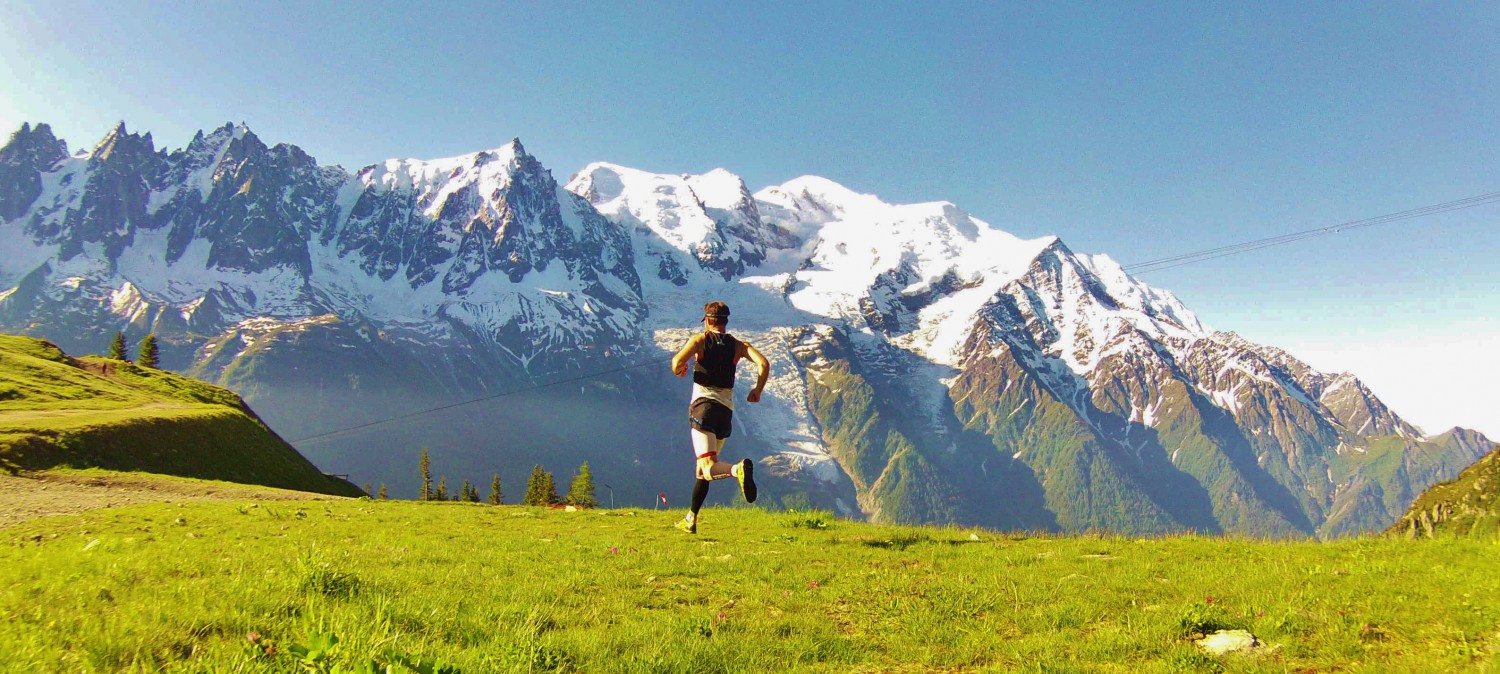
1100,401
1467,505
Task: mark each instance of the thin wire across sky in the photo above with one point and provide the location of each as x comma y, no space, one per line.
1257,244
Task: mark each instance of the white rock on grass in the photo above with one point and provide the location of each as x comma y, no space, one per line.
1229,641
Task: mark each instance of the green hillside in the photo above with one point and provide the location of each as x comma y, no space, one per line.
1468,505
60,411
210,586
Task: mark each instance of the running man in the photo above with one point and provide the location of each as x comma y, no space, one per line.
715,354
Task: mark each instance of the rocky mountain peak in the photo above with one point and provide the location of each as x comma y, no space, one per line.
720,189
804,203
1471,439
484,174
109,204
1357,408
33,147
818,194
683,224
598,183
120,141
1342,394
29,152
215,140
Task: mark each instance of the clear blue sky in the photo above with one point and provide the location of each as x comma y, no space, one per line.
1137,130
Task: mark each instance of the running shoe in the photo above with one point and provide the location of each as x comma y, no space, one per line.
687,524
746,475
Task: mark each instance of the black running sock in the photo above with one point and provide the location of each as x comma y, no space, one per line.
700,493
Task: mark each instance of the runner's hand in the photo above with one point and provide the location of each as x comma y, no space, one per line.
754,396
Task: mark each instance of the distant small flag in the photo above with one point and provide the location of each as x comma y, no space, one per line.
663,498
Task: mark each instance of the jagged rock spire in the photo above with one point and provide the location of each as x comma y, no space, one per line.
29,152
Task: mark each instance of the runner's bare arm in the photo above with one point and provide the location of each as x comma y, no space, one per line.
760,379
679,361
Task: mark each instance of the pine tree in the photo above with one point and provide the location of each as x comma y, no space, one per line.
149,354
534,487
581,492
495,497
549,489
382,495
442,491
426,477
117,347
540,489
367,490
473,495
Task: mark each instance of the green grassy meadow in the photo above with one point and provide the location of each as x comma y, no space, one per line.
61,411
184,587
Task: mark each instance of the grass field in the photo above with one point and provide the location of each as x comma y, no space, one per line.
185,587
60,411
55,492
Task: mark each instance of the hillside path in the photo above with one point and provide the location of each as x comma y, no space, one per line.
22,415
45,494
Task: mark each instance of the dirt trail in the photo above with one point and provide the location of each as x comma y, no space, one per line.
44,494
16,416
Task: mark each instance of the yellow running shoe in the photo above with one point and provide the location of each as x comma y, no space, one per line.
687,524
746,476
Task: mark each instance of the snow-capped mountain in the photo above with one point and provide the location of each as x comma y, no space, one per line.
229,232
927,366
684,227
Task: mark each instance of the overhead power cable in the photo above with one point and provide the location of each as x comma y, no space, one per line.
1257,244
471,401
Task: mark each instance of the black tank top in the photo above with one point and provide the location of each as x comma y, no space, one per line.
715,367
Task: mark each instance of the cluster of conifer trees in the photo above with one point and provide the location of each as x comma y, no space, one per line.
540,488
148,355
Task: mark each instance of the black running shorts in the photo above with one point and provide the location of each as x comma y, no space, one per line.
710,416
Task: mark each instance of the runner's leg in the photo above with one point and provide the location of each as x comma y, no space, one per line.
700,493
710,467
705,446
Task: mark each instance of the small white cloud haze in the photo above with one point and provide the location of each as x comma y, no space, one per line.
1434,382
